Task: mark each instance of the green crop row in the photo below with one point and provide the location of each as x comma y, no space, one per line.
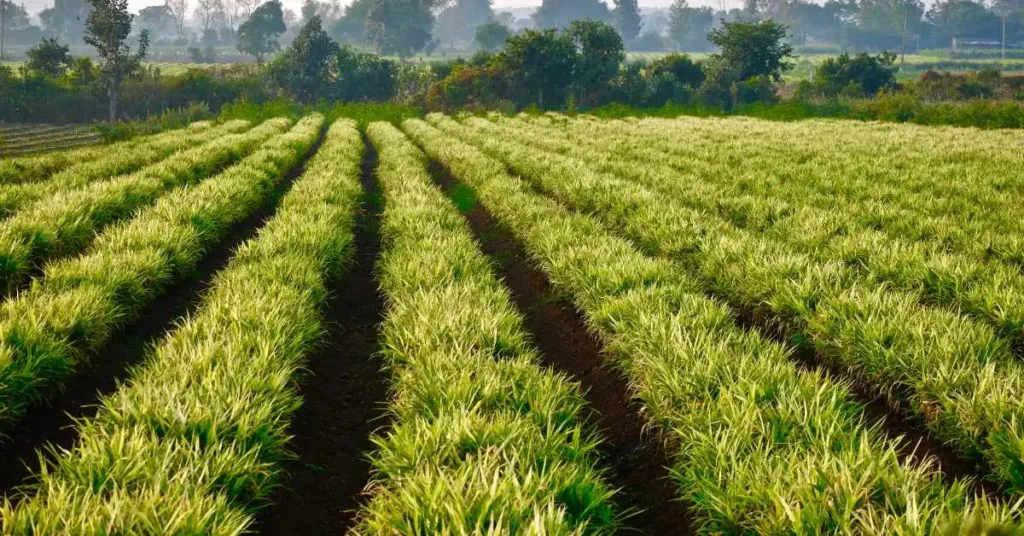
957,188
67,315
762,447
990,291
117,161
483,441
66,222
955,375
35,168
192,443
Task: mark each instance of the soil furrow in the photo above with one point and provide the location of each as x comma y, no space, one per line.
344,396
636,459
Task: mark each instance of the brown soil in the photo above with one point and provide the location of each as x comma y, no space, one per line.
53,424
344,398
636,460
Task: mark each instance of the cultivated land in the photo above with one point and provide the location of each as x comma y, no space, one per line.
530,325
20,139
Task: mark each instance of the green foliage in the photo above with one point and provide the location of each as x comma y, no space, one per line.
258,35
687,72
400,27
107,29
491,35
210,403
599,53
556,14
482,434
542,64
627,19
867,74
688,26
752,431
305,68
749,49
49,58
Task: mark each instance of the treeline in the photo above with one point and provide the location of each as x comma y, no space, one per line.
580,67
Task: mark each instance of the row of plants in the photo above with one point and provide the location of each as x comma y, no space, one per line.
24,143
842,230
39,167
70,311
483,439
955,375
761,447
114,162
192,443
66,222
800,163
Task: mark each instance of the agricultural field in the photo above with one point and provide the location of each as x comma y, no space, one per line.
21,139
515,325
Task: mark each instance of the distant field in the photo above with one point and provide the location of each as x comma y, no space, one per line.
22,139
166,67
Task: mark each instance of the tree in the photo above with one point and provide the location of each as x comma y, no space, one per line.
599,53
106,29
351,27
258,35
247,7
688,27
157,20
627,19
541,63
458,22
49,58
400,27
210,14
963,18
325,10
492,35
65,19
861,75
305,69
178,10
559,13
750,49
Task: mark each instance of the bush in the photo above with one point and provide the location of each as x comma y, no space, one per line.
856,76
686,71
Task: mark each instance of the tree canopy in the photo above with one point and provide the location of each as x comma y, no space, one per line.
750,49
258,35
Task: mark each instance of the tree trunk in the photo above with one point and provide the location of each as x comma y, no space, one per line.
115,94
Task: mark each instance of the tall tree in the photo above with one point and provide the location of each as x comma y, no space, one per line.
246,8
400,27
749,49
457,23
107,29
963,18
157,20
178,10
559,13
599,52
65,20
258,35
542,64
627,19
351,26
688,26
210,14
304,70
